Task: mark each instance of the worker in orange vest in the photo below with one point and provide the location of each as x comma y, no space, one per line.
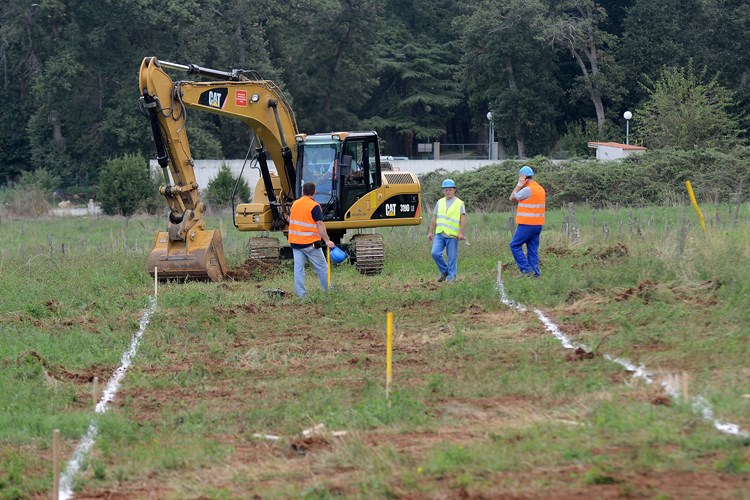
531,200
305,229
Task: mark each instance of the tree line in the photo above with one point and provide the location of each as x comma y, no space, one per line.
554,73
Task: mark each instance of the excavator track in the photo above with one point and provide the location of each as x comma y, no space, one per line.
265,249
369,250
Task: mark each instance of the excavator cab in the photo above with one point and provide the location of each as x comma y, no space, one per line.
344,167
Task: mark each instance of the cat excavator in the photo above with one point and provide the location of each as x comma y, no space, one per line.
353,187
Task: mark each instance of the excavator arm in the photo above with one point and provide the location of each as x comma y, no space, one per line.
187,249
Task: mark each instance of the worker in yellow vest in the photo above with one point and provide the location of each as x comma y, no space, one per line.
447,228
531,200
305,229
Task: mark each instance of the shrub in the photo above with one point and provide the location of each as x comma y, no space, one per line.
41,179
219,189
24,202
125,186
686,110
655,177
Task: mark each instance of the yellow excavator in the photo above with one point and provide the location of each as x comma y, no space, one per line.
353,187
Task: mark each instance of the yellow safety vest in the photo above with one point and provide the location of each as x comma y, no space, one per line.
449,220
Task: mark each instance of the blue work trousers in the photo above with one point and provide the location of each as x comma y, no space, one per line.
450,245
526,235
318,261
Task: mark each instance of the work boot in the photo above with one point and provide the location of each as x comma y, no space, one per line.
442,277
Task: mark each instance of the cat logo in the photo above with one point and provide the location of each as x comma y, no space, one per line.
214,99
390,209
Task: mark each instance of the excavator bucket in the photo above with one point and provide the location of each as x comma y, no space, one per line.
199,258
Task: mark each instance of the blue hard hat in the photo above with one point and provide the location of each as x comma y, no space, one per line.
337,255
526,170
448,183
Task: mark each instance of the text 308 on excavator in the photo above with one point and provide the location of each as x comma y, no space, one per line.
345,166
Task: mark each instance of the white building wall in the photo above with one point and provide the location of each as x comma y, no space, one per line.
205,170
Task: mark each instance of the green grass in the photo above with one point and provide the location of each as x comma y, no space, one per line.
484,399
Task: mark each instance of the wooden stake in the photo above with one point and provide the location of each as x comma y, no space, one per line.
56,464
389,356
685,387
95,391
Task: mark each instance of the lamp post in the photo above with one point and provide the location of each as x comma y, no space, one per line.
492,133
627,115
428,109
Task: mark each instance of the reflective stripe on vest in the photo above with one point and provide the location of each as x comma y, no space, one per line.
449,220
303,229
531,210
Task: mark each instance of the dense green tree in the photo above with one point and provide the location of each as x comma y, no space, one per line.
125,186
419,85
686,110
415,70
658,34
325,50
509,72
576,27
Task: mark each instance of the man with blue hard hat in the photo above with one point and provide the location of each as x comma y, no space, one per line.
531,199
447,227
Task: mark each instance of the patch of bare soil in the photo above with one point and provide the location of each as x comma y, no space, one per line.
559,251
254,270
702,293
644,291
55,372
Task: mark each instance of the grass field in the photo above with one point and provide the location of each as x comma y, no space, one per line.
485,402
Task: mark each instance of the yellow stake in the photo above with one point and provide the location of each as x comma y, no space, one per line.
695,205
389,357
329,268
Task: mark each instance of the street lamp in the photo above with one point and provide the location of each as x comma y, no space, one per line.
428,109
627,115
492,132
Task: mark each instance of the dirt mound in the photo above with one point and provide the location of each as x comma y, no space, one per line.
254,270
645,291
305,445
559,251
579,355
616,251
58,372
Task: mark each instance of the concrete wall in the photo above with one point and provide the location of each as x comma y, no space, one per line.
205,170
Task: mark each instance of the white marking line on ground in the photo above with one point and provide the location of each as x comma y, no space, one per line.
74,465
672,387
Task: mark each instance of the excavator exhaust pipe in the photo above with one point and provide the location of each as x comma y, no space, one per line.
200,257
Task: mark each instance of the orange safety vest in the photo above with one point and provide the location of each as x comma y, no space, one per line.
303,230
531,210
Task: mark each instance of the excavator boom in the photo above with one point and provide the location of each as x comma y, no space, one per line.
186,249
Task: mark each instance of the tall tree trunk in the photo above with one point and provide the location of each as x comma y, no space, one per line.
517,125
594,93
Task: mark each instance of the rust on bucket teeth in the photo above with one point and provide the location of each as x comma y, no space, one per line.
200,257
